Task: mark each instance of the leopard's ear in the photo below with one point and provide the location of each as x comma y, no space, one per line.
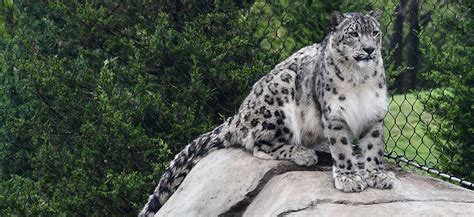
375,14
336,18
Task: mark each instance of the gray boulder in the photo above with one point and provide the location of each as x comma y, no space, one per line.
231,182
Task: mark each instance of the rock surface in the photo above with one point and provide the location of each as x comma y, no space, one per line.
231,182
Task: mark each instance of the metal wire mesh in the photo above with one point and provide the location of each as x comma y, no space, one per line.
408,123
409,28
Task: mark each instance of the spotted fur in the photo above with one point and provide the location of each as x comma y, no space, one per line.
330,93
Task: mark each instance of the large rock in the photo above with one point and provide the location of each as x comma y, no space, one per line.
232,182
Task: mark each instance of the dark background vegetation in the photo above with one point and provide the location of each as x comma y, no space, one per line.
96,98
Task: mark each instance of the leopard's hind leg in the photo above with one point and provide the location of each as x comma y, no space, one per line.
298,154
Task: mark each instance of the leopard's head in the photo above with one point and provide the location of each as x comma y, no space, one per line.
356,37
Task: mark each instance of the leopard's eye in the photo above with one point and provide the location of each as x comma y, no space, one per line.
375,33
353,34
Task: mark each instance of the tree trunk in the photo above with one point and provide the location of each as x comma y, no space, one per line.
397,36
413,53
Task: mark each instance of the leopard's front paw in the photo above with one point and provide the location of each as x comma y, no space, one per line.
382,180
350,183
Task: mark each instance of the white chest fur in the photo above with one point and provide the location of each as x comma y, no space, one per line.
362,104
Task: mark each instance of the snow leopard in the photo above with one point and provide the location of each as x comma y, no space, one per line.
331,93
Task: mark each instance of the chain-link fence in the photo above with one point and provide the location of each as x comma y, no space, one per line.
96,98
422,39
426,127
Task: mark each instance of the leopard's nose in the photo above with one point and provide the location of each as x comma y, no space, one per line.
368,50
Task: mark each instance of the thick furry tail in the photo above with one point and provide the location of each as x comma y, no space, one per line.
182,164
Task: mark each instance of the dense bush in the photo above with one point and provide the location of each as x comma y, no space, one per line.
96,97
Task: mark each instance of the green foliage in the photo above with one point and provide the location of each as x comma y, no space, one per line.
452,103
7,12
98,96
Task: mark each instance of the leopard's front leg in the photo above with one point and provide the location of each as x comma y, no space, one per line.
372,146
345,172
